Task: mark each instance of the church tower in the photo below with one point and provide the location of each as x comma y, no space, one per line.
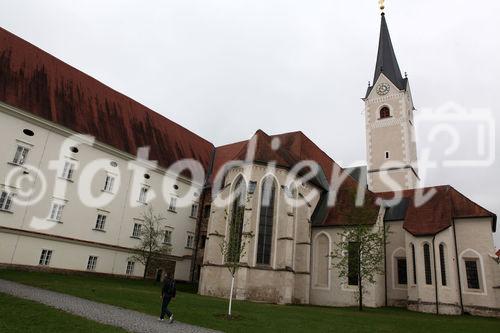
391,152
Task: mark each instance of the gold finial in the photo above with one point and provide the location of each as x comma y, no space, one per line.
382,4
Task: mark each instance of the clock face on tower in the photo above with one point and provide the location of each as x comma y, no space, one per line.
383,89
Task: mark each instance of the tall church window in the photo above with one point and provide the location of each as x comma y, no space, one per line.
414,263
321,260
385,112
401,266
266,221
442,263
427,264
353,264
236,226
472,274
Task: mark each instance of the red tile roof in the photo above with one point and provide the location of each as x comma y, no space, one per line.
437,214
36,82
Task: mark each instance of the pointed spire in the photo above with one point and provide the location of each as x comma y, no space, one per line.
386,58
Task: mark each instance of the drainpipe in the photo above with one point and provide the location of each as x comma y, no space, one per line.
385,262
435,274
458,267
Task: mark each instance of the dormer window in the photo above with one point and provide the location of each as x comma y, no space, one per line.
385,112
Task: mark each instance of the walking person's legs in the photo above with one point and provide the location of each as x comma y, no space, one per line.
164,308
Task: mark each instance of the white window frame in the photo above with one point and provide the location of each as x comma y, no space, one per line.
6,201
56,211
45,257
130,268
143,195
136,231
194,210
92,263
109,183
21,155
168,240
172,206
100,222
68,171
190,241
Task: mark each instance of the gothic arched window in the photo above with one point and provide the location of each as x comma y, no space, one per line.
236,226
385,112
442,263
266,221
321,260
427,264
413,260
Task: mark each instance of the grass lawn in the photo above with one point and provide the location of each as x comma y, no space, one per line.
18,315
144,296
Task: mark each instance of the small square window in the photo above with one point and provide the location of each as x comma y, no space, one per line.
56,212
45,257
92,263
100,222
136,233
5,201
21,155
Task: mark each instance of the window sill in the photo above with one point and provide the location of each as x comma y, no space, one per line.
100,230
66,179
135,237
6,211
189,248
193,217
17,165
385,118
172,211
142,203
106,191
55,221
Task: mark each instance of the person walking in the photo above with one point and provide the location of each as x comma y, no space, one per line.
167,294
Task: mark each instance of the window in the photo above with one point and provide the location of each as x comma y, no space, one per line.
190,241
427,263
100,222
206,211
130,268
353,263
56,212
236,226
386,155
194,210
472,274
401,266
266,221
385,112
136,233
442,262
91,264
171,206
414,264
203,241
5,201
143,195
109,183
45,257
168,237
69,169
21,155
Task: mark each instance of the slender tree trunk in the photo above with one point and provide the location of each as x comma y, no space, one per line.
146,266
229,314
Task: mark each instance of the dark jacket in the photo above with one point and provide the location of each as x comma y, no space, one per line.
169,289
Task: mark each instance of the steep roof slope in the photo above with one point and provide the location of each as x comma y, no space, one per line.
36,82
435,214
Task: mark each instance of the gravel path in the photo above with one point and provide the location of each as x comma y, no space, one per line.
129,320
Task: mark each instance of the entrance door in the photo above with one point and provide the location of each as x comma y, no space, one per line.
159,274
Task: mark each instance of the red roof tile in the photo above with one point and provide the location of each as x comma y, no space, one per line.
437,213
36,82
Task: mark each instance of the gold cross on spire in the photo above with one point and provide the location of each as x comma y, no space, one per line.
382,4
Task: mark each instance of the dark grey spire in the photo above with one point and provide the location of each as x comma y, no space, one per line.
386,59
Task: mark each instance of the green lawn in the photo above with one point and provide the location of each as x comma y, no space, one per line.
205,311
18,315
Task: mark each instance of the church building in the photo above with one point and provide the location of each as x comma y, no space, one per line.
285,199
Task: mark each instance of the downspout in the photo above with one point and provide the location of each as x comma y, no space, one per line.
458,267
435,274
385,262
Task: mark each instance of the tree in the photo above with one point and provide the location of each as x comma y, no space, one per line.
359,255
235,246
151,246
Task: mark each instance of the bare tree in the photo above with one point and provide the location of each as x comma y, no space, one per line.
151,246
359,255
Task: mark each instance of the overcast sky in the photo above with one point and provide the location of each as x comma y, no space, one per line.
225,68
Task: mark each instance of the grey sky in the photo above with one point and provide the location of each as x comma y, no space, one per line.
225,68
